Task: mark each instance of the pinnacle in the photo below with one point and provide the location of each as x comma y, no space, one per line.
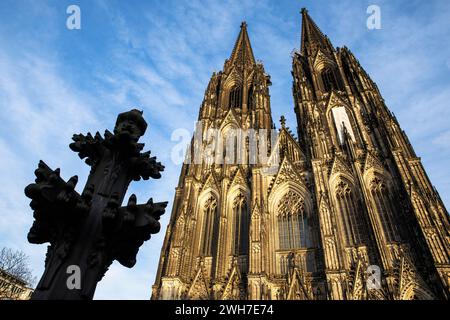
283,121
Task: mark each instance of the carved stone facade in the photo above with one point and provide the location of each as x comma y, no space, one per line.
13,288
348,198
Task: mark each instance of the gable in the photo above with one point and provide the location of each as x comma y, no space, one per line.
199,287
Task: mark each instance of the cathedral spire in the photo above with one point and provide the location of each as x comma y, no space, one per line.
311,34
242,50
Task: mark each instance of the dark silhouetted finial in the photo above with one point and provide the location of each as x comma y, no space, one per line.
283,121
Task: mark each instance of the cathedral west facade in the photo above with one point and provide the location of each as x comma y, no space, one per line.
348,212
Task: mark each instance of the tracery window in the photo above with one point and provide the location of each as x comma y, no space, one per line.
210,220
293,225
235,97
342,120
351,220
250,98
384,207
240,225
329,80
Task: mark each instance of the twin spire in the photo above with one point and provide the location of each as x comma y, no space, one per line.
311,34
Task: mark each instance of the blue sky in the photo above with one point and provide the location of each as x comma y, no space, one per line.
158,56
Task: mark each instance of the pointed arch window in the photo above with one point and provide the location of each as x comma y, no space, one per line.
240,225
329,80
210,221
235,97
250,98
384,207
342,123
348,210
293,227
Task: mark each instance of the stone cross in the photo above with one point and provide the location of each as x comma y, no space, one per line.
88,232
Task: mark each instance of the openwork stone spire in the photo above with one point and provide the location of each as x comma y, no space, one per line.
242,53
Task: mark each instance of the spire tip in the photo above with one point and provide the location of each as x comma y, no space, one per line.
283,121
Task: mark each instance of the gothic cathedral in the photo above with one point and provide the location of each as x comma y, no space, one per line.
348,214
